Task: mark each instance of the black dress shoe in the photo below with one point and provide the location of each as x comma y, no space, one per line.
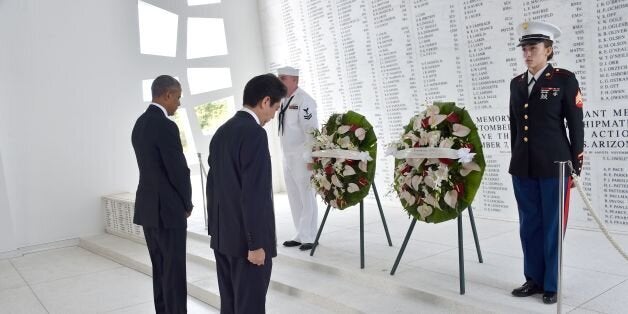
291,243
527,289
306,246
549,297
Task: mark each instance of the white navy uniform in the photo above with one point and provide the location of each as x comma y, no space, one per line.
298,121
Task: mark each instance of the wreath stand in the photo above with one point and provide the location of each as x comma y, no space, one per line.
381,213
460,248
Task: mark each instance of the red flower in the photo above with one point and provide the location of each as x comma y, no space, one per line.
459,187
417,144
329,169
425,123
363,181
469,146
349,162
453,118
406,169
354,127
446,161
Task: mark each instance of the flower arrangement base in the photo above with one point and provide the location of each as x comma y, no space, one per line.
381,213
460,250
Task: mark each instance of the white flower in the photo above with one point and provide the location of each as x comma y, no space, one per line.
408,179
408,198
460,130
465,155
446,143
416,180
432,161
339,165
468,167
411,136
414,162
432,110
429,181
335,181
333,203
360,133
363,166
431,200
348,171
344,142
416,123
325,183
437,119
424,211
433,138
435,177
343,129
352,188
451,198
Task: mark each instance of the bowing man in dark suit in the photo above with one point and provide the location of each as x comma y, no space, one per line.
241,218
541,100
163,200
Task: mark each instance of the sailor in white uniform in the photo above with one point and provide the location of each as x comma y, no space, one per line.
297,120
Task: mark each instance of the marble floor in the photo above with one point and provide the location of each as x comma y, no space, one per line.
73,280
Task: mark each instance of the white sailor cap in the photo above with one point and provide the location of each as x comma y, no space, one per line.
288,70
535,32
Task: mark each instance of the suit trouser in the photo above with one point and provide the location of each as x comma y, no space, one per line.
242,285
537,200
166,247
301,196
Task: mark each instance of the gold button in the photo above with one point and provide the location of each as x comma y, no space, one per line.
525,127
525,106
547,74
525,117
525,139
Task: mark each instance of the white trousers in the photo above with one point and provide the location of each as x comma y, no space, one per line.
301,196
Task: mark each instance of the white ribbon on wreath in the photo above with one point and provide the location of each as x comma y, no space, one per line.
463,155
342,153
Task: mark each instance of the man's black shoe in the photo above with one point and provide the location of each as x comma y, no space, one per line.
306,246
291,243
527,289
549,297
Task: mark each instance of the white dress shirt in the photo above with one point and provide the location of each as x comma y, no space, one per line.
536,78
245,109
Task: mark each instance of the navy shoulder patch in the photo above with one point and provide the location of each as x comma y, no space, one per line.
307,115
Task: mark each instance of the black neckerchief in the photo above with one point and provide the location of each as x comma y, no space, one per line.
282,115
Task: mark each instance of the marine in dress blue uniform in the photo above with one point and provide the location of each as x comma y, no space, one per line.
541,100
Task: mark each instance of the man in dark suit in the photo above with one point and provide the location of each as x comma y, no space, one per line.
241,218
163,200
541,100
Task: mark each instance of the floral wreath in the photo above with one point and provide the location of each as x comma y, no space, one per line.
343,155
438,163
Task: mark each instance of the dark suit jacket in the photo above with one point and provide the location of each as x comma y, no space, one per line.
164,193
537,123
239,189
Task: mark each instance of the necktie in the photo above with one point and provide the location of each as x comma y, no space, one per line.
282,115
531,85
